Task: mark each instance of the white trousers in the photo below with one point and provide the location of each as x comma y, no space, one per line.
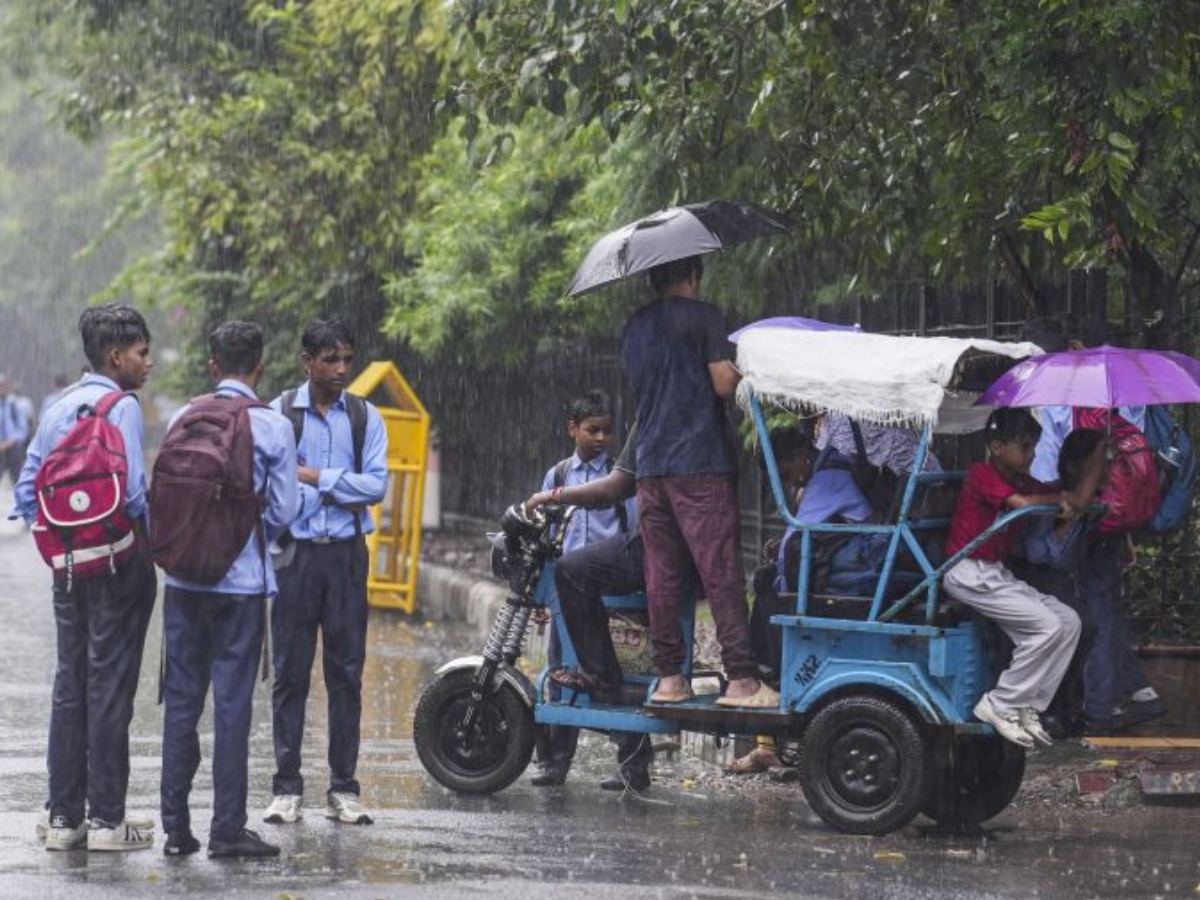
1044,631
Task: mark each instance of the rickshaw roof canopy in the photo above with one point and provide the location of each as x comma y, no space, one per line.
891,380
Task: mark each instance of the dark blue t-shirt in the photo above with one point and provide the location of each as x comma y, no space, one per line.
665,351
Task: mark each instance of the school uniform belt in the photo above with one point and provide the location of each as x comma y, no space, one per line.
326,539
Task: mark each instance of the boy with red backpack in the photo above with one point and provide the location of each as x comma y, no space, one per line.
224,486
83,491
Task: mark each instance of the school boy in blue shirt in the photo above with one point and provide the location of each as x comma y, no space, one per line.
324,588
214,633
101,621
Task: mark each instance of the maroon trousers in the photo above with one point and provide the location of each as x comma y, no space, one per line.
690,523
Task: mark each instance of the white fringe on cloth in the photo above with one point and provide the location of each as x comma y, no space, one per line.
878,378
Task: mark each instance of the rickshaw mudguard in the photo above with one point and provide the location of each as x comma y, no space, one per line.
940,672
505,673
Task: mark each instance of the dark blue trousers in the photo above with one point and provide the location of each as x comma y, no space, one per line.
1112,670
101,626
212,639
323,590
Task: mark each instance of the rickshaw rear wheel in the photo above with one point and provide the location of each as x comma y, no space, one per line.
482,759
977,776
865,765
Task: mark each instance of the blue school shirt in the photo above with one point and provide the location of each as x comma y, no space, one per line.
326,444
14,420
126,415
1059,421
590,525
831,493
274,473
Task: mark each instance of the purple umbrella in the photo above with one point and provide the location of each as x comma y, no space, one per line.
1098,377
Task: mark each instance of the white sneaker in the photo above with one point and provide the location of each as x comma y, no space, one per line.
346,808
61,836
1008,725
284,810
1032,724
102,837
140,821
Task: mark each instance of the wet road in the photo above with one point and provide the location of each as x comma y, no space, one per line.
698,834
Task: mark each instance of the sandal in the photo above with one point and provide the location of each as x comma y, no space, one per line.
660,696
764,698
575,679
760,759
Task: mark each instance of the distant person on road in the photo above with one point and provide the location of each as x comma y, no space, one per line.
101,621
214,633
679,361
589,425
14,431
342,455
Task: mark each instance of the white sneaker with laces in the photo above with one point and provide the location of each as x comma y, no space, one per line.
346,808
102,837
1007,725
1032,724
284,810
62,836
141,821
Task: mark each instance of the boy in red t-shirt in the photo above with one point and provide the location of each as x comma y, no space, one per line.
1043,630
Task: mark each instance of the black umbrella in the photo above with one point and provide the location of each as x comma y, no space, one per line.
669,234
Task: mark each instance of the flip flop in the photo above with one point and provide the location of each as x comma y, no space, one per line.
764,698
679,697
575,679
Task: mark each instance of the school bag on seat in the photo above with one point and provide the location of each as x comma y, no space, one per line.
1177,470
1132,492
82,529
203,506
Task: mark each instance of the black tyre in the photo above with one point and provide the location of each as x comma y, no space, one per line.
975,778
488,757
865,765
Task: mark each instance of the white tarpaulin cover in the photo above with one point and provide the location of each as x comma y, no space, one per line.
910,381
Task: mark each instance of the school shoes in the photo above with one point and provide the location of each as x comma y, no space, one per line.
1007,725
105,837
1032,723
285,809
551,774
1135,712
343,807
63,835
246,844
181,843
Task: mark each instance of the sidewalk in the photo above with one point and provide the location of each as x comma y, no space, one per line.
1157,759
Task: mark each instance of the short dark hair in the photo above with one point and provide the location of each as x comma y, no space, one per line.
669,273
1076,448
325,334
108,327
789,443
236,347
1011,423
592,404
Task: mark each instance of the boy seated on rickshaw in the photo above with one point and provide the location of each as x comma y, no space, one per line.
1044,631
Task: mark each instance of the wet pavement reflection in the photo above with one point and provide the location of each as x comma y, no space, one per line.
696,834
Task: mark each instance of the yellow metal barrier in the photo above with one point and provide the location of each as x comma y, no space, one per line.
395,545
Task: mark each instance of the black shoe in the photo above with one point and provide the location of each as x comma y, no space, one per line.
551,774
181,843
247,844
1135,712
636,780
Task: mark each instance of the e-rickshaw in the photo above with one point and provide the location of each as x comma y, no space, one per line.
877,690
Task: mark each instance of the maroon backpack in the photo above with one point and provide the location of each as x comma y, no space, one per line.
203,506
1132,492
82,528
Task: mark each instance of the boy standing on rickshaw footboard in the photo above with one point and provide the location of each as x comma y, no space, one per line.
1043,630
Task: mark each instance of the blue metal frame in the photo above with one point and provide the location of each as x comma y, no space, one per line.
940,671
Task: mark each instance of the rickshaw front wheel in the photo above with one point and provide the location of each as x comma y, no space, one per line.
481,758
977,777
865,765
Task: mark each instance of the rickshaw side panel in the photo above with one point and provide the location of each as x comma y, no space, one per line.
940,671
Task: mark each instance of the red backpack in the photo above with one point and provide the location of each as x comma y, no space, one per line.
203,506
82,528
1132,492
